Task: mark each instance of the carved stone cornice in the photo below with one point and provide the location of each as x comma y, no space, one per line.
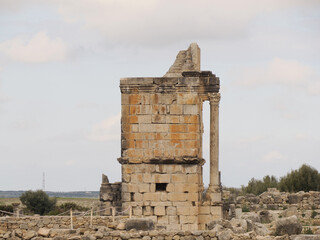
199,82
176,160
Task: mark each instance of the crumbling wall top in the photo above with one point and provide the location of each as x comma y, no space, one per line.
186,60
183,76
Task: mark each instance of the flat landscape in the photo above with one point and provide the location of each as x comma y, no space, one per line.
84,202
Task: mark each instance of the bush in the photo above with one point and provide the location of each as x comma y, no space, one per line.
306,179
62,208
6,208
245,209
307,231
259,186
38,202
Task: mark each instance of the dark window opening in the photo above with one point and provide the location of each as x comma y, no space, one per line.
161,186
132,196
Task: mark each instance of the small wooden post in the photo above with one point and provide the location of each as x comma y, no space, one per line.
71,220
113,214
91,217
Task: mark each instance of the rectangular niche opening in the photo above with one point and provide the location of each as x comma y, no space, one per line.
161,187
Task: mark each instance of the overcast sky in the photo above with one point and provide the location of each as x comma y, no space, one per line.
61,62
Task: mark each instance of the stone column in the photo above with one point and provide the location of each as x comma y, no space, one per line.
214,191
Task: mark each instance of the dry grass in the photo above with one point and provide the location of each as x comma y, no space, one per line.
84,202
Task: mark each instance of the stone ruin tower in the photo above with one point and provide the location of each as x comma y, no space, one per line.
161,147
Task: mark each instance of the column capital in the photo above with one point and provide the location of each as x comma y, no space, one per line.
214,98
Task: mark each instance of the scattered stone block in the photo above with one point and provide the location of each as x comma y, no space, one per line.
139,224
289,225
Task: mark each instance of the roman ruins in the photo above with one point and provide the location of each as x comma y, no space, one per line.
161,147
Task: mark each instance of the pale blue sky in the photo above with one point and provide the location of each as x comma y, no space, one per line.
61,62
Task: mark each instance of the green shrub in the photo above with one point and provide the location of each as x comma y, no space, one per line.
259,186
314,214
245,208
307,231
38,202
65,207
306,179
6,208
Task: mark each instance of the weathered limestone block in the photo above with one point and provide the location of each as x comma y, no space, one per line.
288,225
163,220
254,217
44,232
260,229
188,219
159,211
29,234
239,225
293,198
139,224
221,222
204,218
290,212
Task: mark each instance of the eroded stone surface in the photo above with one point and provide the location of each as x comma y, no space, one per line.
289,225
186,60
139,224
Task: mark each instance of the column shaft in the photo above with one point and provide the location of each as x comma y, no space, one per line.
214,141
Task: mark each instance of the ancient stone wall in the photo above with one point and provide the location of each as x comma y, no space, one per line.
54,222
110,196
162,118
166,193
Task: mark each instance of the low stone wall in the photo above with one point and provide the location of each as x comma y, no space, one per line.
58,228
54,222
102,233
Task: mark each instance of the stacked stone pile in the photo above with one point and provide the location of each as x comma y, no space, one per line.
275,200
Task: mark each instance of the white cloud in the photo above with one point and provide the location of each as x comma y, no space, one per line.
109,129
302,136
18,5
39,48
251,139
281,72
10,5
24,124
314,87
69,163
274,156
163,21
87,105
3,98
